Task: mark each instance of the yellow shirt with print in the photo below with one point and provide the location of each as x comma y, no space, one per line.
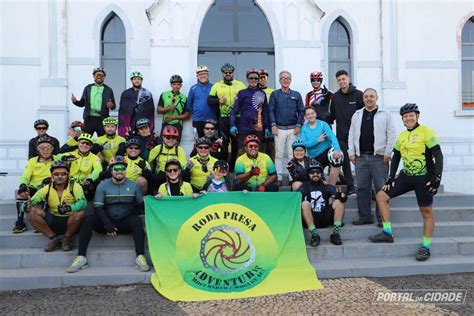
185,190
162,154
35,172
110,145
84,167
76,199
198,176
133,170
220,89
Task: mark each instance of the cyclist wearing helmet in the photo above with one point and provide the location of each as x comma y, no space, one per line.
222,97
254,171
298,165
268,143
322,205
419,148
57,208
218,181
145,136
41,126
251,105
319,98
75,130
160,154
199,167
97,99
135,103
36,175
138,169
110,144
197,104
174,184
217,139
319,140
172,105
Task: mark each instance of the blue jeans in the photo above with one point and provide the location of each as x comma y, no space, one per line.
369,170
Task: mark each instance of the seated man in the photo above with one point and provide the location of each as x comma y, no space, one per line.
75,130
117,203
41,126
36,175
219,142
58,208
322,205
174,185
145,136
218,181
138,169
255,171
110,144
198,167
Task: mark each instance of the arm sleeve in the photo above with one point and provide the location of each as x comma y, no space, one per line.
96,148
213,101
66,148
235,109
26,176
82,102
112,97
266,124
97,169
271,109
182,156
395,162
81,201
332,138
160,101
99,202
39,196
438,159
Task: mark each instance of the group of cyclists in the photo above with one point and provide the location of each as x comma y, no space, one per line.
97,183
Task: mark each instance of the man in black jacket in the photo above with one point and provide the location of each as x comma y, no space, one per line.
345,102
41,126
97,99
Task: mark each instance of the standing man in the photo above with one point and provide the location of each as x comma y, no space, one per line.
345,102
135,103
41,126
419,148
97,99
319,98
222,97
371,139
268,143
197,104
286,114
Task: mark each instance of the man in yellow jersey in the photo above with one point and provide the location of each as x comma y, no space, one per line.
419,148
199,167
110,144
222,96
138,169
58,208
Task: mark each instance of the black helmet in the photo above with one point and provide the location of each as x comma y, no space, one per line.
176,78
173,162
117,160
227,67
224,165
59,164
202,141
98,69
40,122
45,139
143,122
315,165
133,142
409,107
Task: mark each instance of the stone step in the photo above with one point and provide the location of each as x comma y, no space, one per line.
55,277
350,249
391,267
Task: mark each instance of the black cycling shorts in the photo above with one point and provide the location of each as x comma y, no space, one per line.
58,224
324,218
404,184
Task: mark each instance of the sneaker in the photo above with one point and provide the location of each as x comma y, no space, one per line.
66,244
141,264
335,239
79,263
52,244
20,227
361,221
381,237
423,254
315,240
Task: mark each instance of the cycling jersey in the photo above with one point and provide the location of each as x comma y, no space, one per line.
73,197
198,175
244,164
71,141
85,167
162,154
268,91
414,146
35,172
133,170
185,189
220,89
110,145
167,99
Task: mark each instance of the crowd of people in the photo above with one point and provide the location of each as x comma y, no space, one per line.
241,133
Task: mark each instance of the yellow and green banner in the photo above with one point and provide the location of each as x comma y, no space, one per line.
228,245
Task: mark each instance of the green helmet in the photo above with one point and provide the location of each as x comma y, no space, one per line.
136,74
110,121
143,122
85,136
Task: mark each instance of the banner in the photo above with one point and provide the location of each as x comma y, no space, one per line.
228,245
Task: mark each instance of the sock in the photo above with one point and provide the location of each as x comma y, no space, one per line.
387,228
337,227
312,229
20,215
427,242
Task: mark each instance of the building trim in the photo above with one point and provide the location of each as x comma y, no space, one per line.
394,85
431,64
369,64
53,82
20,61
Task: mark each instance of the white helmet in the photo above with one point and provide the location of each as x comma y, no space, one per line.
333,161
201,68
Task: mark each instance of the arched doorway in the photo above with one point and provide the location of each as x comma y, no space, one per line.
339,48
237,32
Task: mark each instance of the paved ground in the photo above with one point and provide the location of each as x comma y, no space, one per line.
340,296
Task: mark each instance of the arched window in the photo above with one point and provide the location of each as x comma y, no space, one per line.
236,32
113,53
467,64
339,51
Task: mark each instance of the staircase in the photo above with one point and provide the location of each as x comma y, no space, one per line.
24,264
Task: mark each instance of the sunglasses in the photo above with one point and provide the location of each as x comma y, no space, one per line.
315,171
316,80
174,170
59,174
45,147
41,128
202,147
209,128
228,72
253,78
252,146
119,168
133,148
171,137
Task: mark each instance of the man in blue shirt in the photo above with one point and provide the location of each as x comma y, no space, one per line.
197,101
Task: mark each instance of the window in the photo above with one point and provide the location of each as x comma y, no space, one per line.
113,53
236,32
467,64
339,51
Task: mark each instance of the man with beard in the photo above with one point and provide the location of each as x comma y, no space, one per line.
218,141
199,167
110,144
197,104
117,203
97,99
135,103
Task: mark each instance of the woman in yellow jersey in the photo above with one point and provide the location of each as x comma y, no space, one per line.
174,185
199,167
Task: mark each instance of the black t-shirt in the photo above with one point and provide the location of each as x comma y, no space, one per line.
317,194
366,140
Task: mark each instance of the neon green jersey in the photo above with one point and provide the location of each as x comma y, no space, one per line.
198,175
162,154
220,89
35,172
84,166
185,190
73,197
133,170
244,164
110,145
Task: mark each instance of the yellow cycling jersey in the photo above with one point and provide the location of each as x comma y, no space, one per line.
133,170
200,172
73,197
71,142
110,145
160,154
84,166
220,89
414,148
268,92
185,190
244,164
35,172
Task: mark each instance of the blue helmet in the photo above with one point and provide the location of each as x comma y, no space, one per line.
298,143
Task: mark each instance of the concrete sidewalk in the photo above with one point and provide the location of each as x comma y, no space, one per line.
340,296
